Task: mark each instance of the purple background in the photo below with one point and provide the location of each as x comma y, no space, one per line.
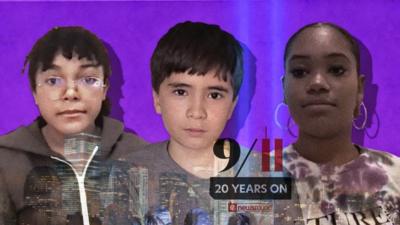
132,29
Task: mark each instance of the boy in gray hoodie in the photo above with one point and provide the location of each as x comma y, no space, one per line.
52,173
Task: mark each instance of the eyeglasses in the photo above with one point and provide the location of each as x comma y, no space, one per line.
55,87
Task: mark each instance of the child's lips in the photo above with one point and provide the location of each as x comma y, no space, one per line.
195,132
71,113
318,102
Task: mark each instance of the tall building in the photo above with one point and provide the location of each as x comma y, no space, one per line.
138,189
174,194
77,150
42,196
115,194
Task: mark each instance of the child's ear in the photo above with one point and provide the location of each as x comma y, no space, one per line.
156,102
360,88
360,94
34,97
105,92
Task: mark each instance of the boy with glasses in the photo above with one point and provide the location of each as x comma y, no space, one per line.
59,169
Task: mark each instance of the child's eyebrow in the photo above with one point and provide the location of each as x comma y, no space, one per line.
95,65
298,57
218,88
176,85
54,67
337,55
84,66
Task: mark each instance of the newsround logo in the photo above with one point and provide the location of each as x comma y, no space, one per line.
249,207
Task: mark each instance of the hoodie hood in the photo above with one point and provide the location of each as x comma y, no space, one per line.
30,139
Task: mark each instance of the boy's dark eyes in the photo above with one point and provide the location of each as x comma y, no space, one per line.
212,95
215,95
180,92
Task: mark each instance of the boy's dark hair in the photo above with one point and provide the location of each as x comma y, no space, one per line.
69,41
354,46
197,48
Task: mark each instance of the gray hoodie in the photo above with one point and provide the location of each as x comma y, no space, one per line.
39,186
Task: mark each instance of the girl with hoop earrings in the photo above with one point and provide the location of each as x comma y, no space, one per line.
335,181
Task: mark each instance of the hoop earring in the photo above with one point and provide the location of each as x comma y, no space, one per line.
287,126
364,123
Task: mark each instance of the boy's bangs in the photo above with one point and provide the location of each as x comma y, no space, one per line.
199,66
220,72
68,51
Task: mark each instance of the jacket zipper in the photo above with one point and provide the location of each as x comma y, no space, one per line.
81,184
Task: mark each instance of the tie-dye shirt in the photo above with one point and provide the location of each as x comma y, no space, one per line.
365,191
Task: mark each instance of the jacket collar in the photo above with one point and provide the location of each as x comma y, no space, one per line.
30,139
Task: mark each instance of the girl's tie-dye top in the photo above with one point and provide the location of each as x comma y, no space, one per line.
365,191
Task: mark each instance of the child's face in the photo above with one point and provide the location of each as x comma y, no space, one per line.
194,108
322,87
70,93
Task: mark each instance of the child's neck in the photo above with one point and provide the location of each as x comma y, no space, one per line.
56,140
200,162
337,150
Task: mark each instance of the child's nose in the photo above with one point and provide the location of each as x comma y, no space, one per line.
71,91
318,83
197,108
